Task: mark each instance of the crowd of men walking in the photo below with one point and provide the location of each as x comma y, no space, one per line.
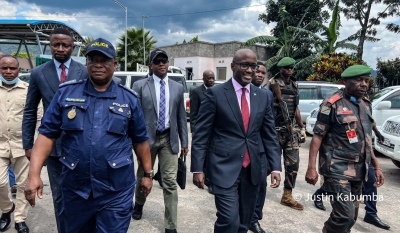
239,131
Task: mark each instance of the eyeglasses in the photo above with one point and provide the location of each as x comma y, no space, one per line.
103,61
245,66
9,68
163,60
288,67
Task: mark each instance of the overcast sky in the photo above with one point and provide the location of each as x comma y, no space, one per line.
169,22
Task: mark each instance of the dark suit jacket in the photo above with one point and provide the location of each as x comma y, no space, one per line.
43,85
196,96
145,89
220,138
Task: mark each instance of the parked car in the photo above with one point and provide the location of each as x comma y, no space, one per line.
192,84
129,77
24,77
391,146
312,94
385,104
311,119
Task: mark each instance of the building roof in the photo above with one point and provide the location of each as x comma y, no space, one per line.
28,29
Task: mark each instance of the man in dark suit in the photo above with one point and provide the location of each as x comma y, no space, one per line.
165,116
234,118
197,95
43,84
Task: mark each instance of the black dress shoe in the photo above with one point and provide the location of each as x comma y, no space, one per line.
5,219
21,227
255,227
137,211
376,222
318,202
170,230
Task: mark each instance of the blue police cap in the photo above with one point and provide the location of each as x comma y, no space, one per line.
103,46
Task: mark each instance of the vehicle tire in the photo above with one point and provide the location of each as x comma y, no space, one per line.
397,163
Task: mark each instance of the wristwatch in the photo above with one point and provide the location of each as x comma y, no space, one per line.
148,174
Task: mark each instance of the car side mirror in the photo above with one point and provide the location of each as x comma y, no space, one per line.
384,105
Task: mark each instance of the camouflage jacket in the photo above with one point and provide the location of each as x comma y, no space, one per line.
289,95
339,116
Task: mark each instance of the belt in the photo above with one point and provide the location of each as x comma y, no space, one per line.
162,132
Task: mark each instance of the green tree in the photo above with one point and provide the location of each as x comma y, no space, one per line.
135,47
388,72
285,46
360,10
88,40
327,43
23,54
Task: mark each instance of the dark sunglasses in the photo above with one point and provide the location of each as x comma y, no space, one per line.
163,60
288,67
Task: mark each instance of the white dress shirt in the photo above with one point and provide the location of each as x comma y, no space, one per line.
157,86
58,68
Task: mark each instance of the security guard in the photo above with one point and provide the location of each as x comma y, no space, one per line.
101,121
284,86
342,135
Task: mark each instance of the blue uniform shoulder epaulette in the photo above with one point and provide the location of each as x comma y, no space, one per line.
71,82
128,89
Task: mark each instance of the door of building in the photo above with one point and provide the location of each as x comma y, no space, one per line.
221,73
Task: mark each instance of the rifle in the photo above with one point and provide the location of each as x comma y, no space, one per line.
288,126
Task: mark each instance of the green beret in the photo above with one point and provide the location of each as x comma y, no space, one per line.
356,70
286,61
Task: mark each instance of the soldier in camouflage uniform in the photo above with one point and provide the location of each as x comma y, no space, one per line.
285,85
342,136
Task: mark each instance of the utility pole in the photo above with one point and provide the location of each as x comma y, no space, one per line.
144,43
126,32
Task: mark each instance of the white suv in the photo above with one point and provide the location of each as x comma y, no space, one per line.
391,146
312,94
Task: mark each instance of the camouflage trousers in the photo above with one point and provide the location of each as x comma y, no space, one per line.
345,197
291,160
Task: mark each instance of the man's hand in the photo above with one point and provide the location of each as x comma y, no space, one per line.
198,180
28,154
380,179
275,179
185,151
145,185
381,138
303,133
312,176
33,185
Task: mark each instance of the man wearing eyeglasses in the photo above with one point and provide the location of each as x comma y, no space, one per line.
284,86
164,112
232,116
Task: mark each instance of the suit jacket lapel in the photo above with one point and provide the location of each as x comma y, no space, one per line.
51,76
74,71
231,97
253,104
152,88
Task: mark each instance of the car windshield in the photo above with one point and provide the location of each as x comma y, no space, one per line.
328,91
381,93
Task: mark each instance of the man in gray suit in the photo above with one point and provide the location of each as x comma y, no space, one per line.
165,116
43,84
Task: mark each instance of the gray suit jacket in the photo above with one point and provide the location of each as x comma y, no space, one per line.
177,116
43,85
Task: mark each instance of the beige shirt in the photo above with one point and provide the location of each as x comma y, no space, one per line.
12,104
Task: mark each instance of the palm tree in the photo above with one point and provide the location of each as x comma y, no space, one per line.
286,45
328,43
135,47
88,40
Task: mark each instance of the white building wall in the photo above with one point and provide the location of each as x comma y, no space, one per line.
200,64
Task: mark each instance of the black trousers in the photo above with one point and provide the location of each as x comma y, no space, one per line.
235,205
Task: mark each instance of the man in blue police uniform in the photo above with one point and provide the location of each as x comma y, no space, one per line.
101,121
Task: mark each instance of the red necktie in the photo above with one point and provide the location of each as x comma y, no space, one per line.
63,76
246,119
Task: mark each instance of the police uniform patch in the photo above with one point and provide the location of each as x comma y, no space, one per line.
325,110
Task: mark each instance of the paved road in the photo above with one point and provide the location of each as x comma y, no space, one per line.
197,212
